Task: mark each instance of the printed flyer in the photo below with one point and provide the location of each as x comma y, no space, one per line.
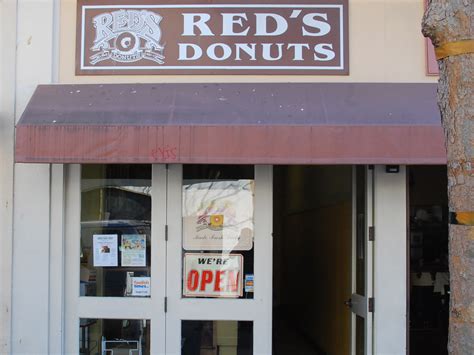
133,250
141,286
218,215
105,249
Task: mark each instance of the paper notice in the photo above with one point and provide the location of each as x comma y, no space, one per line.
105,249
140,286
133,250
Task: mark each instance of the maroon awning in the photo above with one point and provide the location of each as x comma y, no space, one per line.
274,123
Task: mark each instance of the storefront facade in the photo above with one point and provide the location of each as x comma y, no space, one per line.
95,168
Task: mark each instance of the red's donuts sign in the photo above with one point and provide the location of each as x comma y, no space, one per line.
213,38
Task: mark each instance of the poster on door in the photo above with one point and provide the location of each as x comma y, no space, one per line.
218,215
133,250
213,275
141,286
105,249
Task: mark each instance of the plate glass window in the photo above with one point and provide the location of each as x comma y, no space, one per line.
114,336
115,252
216,337
218,231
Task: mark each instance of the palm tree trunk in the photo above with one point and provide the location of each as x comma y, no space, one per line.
447,21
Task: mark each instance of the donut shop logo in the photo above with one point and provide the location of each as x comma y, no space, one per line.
127,36
213,222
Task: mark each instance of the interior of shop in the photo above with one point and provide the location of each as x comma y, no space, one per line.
312,259
428,251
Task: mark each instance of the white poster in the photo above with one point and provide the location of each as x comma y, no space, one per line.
105,249
213,275
140,286
218,215
133,250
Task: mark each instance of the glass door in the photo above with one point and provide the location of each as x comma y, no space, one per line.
115,259
219,253
168,259
361,302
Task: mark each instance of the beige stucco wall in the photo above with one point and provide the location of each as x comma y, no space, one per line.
7,111
385,45
26,304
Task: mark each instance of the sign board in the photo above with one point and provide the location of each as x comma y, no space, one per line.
218,215
163,37
213,275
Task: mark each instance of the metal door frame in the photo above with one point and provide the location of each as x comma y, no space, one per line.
363,306
165,308
77,306
258,309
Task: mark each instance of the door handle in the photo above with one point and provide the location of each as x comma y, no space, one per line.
348,303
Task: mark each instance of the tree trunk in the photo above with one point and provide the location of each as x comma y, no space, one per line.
451,21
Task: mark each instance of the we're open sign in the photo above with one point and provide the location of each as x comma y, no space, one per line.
213,275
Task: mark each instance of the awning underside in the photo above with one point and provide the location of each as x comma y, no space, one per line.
277,123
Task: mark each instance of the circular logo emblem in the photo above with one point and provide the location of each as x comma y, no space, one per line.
127,43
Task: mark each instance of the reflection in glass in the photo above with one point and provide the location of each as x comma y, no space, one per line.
115,230
218,231
114,336
216,337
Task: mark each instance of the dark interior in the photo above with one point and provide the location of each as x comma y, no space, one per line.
428,252
312,259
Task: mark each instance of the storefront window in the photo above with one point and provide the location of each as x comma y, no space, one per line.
216,337
114,336
218,231
115,230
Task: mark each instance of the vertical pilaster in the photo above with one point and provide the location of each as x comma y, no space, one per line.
32,212
390,220
56,261
8,10
30,304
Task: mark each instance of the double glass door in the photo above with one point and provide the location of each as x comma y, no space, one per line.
168,259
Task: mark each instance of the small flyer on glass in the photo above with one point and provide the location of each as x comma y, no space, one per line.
249,282
141,286
105,249
133,250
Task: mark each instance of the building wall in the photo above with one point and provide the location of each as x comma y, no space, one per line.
385,45
7,112
27,40
37,38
